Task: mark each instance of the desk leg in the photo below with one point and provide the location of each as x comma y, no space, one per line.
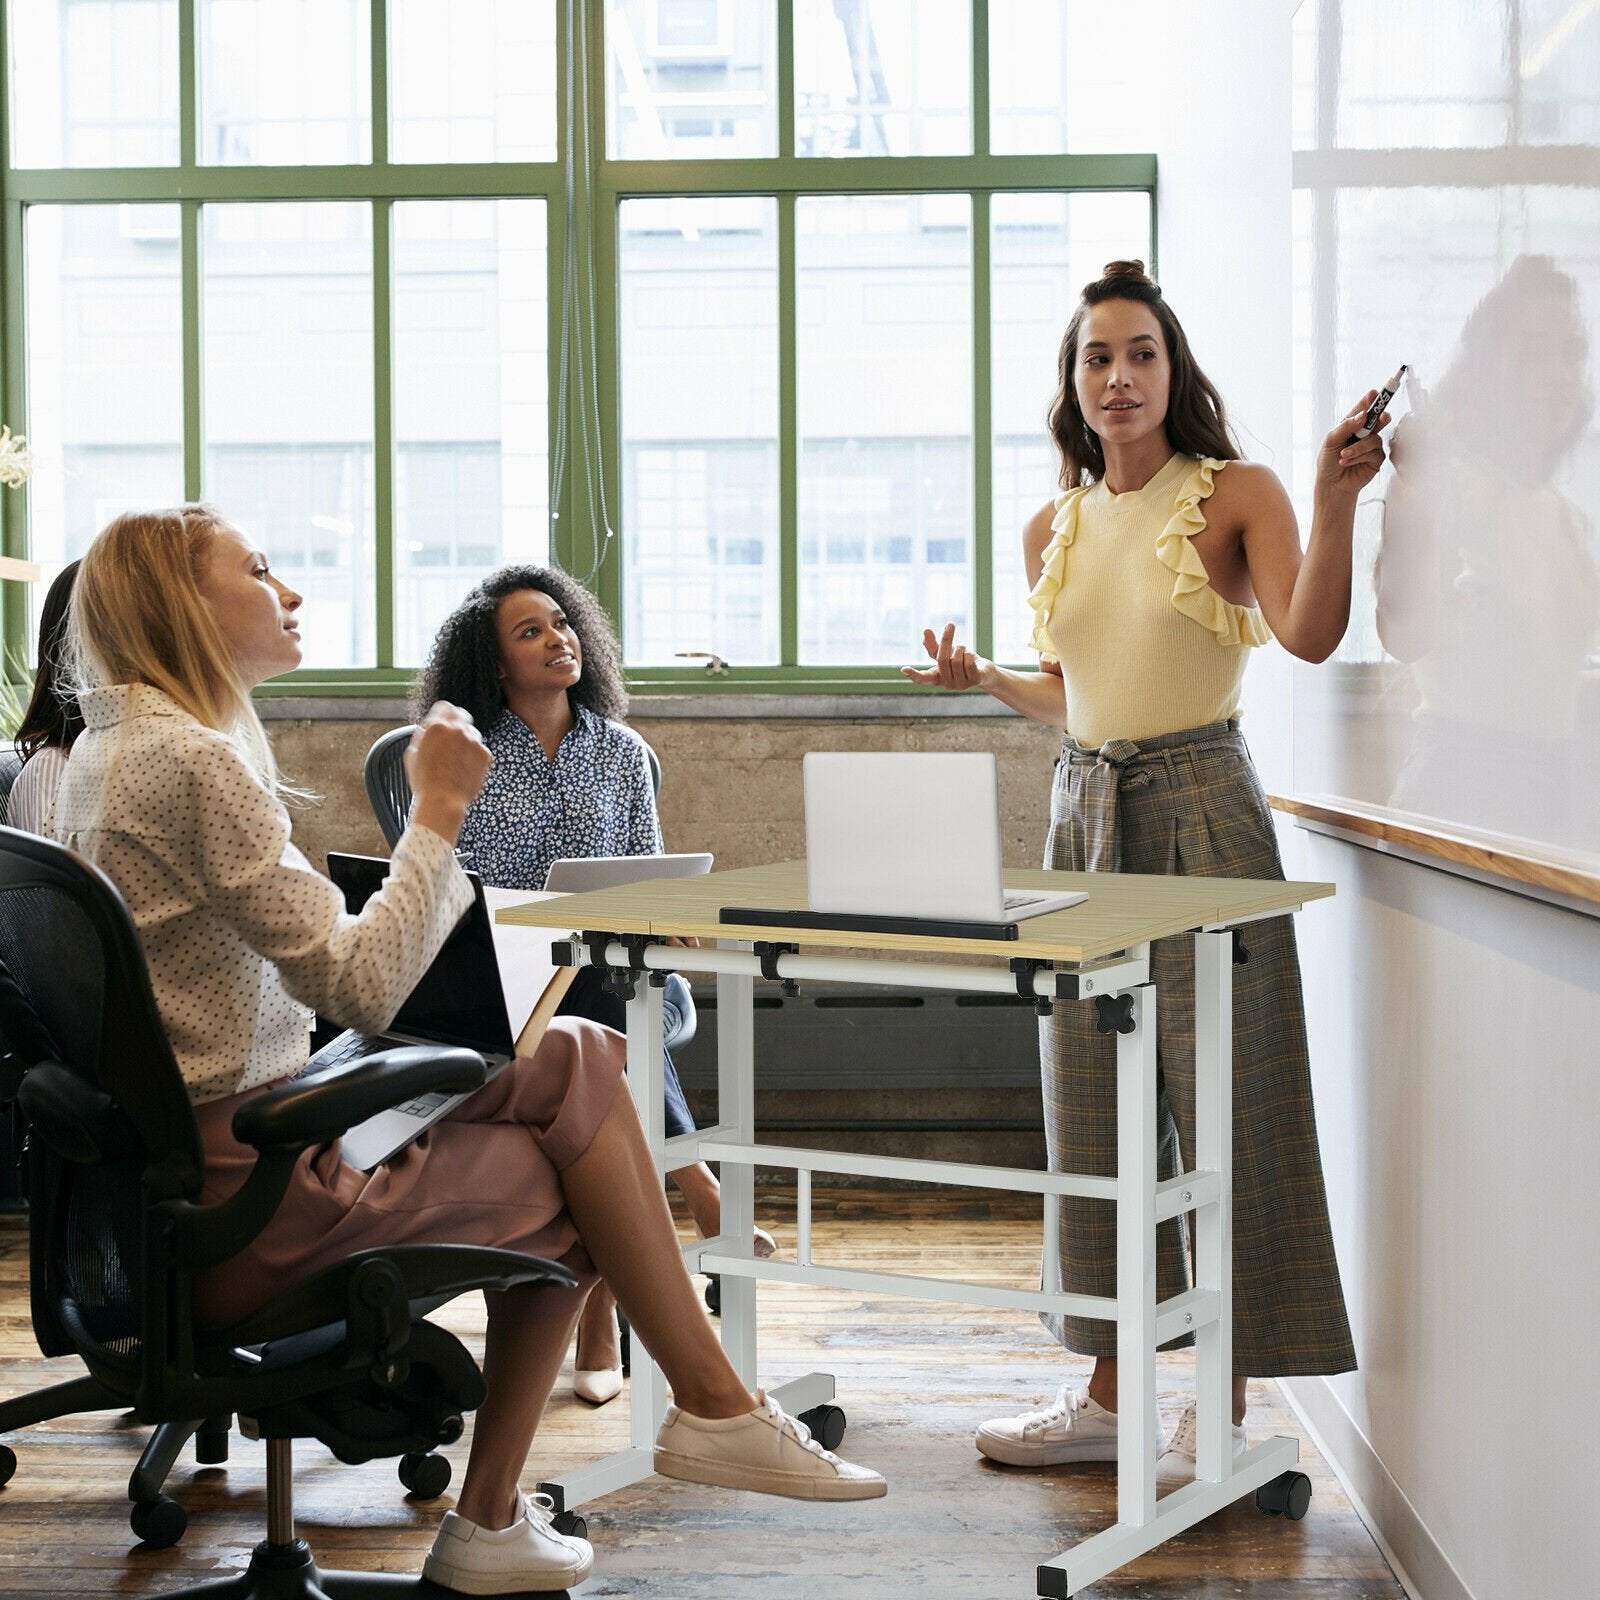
1136,1263
1213,1224
647,1385
736,1111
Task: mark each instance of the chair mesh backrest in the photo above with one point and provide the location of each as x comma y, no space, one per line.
10,766
388,788
69,946
84,1218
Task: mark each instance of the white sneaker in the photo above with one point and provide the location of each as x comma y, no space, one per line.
529,1554
1074,1428
766,1450
1176,1464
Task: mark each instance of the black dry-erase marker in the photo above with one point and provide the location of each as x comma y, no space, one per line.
1375,410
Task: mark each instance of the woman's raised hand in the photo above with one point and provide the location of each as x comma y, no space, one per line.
955,666
446,762
1347,468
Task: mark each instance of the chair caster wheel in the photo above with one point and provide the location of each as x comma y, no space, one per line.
827,1424
570,1522
425,1476
8,1463
1288,1495
158,1523
714,1295
625,1342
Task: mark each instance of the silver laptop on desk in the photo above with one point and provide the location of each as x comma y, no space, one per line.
458,1000
577,874
911,835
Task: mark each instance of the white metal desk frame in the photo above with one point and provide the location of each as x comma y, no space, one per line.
1141,1200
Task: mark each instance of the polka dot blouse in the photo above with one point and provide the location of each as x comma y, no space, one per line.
594,799
243,938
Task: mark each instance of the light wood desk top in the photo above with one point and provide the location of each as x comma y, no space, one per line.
1123,909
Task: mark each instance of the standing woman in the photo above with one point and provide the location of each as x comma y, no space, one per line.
531,655
1166,560
52,722
172,792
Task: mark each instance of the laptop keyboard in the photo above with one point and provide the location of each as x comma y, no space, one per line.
342,1052
1017,900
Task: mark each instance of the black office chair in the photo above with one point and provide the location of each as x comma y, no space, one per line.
10,766
117,1233
389,789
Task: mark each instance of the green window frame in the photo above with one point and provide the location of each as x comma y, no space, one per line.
599,188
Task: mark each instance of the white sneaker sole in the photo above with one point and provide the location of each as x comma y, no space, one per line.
1016,1453
765,1480
465,1580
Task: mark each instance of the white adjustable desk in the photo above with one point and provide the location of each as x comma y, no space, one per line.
1097,953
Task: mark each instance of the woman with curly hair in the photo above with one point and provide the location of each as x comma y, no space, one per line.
532,656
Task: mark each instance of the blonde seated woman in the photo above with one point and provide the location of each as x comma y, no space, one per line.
172,791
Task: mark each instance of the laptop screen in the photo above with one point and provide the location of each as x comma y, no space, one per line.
459,999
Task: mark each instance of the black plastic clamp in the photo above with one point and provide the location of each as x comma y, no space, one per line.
1241,951
1023,969
1114,1013
767,953
622,981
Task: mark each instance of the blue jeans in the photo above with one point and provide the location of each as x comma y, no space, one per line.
589,999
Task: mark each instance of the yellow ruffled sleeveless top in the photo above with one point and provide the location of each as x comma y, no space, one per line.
1146,645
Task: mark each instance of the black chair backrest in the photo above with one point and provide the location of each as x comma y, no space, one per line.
10,766
76,969
389,789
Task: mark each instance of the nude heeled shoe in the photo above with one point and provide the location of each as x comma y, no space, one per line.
597,1385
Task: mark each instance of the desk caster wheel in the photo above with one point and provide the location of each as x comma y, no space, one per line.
158,1523
714,1295
570,1522
1288,1495
425,1476
827,1425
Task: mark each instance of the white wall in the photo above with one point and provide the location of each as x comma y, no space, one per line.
1455,1027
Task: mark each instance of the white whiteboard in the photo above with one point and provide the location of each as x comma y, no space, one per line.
1447,215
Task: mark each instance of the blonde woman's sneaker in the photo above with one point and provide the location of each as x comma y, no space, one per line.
529,1554
1176,1464
1073,1428
766,1450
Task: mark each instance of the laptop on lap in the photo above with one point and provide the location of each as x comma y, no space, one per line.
459,1000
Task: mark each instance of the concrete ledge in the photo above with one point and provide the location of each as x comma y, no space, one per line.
393,710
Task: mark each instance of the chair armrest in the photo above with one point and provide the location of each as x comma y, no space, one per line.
428,1275
308,1112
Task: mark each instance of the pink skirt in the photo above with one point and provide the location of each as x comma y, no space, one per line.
488,1174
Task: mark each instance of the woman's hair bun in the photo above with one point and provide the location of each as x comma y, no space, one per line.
1127,269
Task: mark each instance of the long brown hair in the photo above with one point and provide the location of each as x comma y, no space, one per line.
52,720
1196,423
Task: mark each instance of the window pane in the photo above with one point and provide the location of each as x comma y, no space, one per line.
1044,248
285,82
288,405
885,413
471,420
472,81
700,429
1062,78
117,106
105,384
689,79
883,78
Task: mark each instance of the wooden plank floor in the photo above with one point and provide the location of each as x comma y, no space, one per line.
913,1377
